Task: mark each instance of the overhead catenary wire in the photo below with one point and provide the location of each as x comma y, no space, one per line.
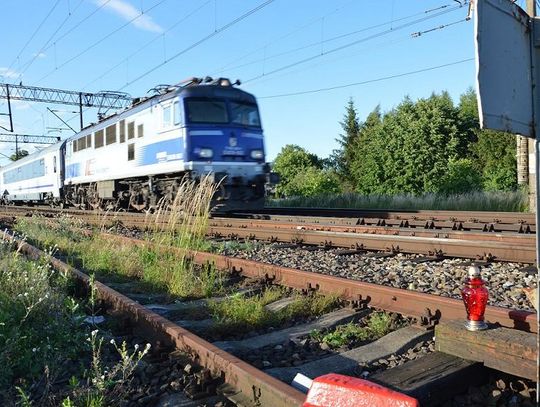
440,27
157,37
195,44
350,44
286,35
36,55
78,24
34,33
341,36
383,78
96,43
199,42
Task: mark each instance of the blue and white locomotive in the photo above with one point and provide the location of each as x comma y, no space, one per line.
137,157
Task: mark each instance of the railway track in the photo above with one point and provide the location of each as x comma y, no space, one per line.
468,219
435,234
247,385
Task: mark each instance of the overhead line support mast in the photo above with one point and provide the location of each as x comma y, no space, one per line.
101,100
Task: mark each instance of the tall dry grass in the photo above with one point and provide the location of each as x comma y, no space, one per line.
513,201
183,224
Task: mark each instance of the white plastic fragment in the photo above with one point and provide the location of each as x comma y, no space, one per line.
95,320
301,382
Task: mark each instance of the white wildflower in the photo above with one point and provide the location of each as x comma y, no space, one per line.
113,341
148,346
136,346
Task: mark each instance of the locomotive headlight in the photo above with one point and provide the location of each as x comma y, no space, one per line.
205,152
257,154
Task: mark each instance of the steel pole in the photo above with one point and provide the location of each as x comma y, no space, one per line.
531,10
9,109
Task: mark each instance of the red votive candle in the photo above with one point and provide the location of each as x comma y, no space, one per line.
475,296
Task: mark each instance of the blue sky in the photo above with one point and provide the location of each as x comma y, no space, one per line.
283,47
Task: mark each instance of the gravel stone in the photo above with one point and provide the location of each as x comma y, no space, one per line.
504,281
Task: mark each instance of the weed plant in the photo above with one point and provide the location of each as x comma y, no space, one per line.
42,338
38,321
181,224
377,325
240,313
514,201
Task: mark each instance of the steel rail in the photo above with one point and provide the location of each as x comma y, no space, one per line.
468,219
438,215
427,307
255,386
476,249
234,224
515,249
389,220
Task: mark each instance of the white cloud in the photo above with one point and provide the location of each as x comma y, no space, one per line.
8,73
128,13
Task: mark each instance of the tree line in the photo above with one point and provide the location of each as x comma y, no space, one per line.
428,145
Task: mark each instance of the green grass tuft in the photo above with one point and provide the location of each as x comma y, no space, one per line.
240,314
378,325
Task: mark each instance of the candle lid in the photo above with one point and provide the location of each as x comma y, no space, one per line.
474,272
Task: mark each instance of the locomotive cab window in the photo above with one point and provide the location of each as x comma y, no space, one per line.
207,111
167,116
177,113
245,114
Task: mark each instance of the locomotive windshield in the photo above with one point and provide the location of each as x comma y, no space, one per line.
207,111
245,114
214,111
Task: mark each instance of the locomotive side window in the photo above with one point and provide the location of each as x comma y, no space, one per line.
207,111
122,131
54,163
140,130
131,152
166,119
98,139
82,143
110,134
131,130
177,113
245,114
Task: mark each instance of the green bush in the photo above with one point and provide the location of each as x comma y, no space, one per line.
302,173
461,177
39,323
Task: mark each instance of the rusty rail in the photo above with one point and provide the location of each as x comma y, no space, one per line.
475,249
476,245
255,386
427,307
435,215
221,225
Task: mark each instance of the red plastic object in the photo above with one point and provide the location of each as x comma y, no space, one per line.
475,296
335,390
